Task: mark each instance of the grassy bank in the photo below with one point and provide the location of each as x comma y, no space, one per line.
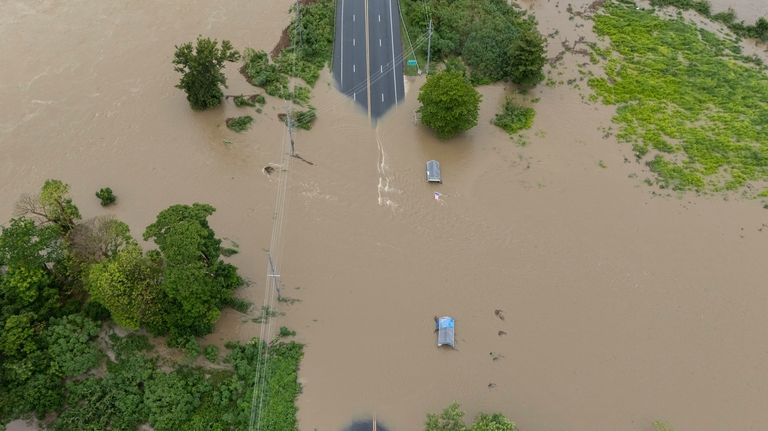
304,49
688,101
758,30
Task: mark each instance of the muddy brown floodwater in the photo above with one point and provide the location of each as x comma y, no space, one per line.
619,307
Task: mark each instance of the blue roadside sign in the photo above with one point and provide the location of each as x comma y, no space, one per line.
411,62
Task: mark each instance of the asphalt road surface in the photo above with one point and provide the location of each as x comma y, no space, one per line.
367,53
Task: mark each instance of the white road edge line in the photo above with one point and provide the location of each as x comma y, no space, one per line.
341,62
392,40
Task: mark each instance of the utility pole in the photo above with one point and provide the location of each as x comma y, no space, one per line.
289,123
289,117
429,45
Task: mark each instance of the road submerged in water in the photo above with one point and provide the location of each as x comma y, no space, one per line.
619,307
368,54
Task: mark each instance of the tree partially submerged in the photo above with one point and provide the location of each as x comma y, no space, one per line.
128,285
452,419
196,282
52,205
201,67
449,104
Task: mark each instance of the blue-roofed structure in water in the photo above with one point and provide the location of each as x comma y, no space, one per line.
445,331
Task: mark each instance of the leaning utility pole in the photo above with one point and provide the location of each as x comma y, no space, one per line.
429,44
289,123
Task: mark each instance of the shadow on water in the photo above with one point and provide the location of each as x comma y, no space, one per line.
366,425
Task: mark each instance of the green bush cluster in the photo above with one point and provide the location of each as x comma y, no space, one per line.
310,45
53,363
452,419
260,72
301,119
239,124
758,30
252,100
136,390
513,117
687,100
496,39
106,196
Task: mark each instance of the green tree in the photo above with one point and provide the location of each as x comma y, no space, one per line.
485,51
493,422
449,104
172,398
18,338
128,285
526,57
52,205
99,238
106,196
195,280
71,346
451,419
201,70
23,243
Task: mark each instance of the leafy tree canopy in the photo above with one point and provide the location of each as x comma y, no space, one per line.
195,279
99,238
496,39
449,104
201,68
452,419
70,344
23,243
128,285
526,57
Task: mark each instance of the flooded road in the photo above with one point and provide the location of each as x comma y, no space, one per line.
582,301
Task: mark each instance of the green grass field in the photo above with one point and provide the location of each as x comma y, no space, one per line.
693,107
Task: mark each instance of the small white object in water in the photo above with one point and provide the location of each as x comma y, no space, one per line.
437,196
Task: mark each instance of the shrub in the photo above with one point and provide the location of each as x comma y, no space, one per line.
452,419
211,353
106,196
496,39
301,119
514,118
285,332
241,101
239,124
